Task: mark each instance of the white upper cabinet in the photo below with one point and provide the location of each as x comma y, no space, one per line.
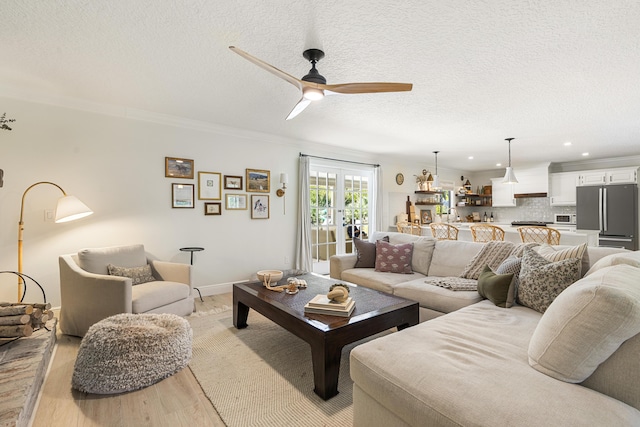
593,178
610,176
562,188
502,194
622,176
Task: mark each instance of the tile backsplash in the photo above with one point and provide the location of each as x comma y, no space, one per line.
526,209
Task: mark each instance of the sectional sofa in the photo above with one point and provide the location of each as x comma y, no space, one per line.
573,361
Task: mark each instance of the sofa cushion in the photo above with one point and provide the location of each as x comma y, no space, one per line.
631,258
96,260
422,254
384,282
434,297
541,280
394,258
450,257
470,368
366,252
137,275
554,254
586,323
151,295
497,288
491,254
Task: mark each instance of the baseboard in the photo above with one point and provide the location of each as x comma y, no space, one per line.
218,288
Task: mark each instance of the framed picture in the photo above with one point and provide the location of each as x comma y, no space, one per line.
232,182
258,180
259,206
425,215
235,201
178,168
209,186
476,216
213,208
182,195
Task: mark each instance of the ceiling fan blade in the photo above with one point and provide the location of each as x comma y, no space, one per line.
354,88
270,68
300,106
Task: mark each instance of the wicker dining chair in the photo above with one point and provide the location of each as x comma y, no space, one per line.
444,231
537,234
486,232
409,228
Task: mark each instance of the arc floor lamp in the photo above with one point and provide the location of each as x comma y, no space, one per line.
68,208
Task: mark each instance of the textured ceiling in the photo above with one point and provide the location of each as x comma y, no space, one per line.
543,72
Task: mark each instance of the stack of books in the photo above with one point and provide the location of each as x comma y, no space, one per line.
320,304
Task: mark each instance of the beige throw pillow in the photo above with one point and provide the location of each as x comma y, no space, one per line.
559,254
587,323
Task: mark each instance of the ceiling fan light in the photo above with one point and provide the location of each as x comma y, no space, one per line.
312,94
509,177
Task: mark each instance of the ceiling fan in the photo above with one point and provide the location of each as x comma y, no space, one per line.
314,86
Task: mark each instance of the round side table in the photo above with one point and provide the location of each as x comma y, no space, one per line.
193,249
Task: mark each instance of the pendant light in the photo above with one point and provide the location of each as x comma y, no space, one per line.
436,179
509,176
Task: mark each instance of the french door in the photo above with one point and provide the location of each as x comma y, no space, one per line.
339,203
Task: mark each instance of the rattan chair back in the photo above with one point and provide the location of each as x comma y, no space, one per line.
444,231
486,232
538,234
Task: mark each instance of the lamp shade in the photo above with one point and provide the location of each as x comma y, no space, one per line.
69,208
509,177
284,178
436,183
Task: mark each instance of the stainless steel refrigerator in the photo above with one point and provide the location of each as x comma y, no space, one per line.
611,209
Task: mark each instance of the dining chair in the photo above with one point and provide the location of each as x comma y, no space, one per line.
409,228
444,231
539,234
486,232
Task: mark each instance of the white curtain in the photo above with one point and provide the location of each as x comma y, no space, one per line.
304,260
375,204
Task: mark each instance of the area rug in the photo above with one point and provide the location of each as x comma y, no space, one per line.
262,375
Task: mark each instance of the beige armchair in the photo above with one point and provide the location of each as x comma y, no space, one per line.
89,294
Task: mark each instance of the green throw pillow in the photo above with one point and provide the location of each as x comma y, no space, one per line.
495,287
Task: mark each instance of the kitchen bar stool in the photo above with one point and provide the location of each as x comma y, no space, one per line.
486,232
532,234
444,231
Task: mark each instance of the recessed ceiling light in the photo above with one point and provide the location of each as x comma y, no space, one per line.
470,157
585,154
498,164
568,143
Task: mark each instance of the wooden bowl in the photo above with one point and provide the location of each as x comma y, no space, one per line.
274,275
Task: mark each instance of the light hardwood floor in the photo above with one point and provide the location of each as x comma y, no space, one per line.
174,401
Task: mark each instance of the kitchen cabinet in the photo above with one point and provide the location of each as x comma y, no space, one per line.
562,188
502,194
622,176
609,176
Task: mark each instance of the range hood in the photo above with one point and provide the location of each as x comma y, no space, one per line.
532,182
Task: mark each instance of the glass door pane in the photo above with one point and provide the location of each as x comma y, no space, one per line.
339,212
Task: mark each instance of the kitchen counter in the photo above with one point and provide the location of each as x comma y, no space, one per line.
568,233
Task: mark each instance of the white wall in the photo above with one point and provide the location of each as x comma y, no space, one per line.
116,166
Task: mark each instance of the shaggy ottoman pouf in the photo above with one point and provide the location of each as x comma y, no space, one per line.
127,352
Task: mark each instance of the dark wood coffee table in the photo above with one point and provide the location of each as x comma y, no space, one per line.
327,335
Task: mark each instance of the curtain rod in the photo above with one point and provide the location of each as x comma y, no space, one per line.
340,160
